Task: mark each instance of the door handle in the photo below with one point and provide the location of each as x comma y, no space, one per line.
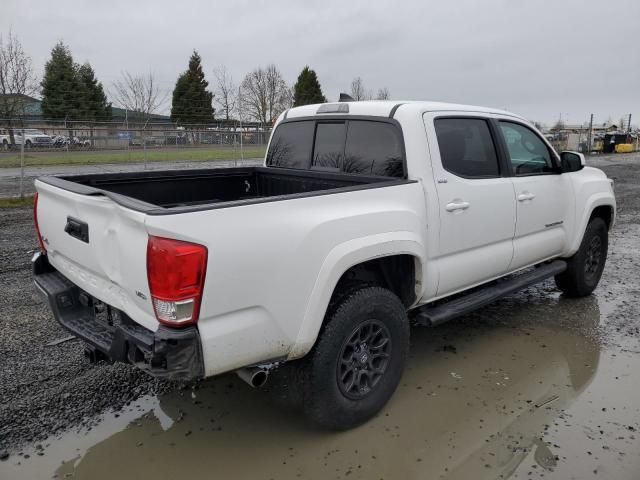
524,196
453,206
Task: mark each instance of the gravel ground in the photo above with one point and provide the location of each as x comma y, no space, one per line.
52,389
47,389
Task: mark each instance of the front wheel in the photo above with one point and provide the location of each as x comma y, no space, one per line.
585,268
358,359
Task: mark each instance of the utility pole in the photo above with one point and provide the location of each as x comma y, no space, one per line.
128,135
22,164
629,124
68,132
590,135
144,141
240,112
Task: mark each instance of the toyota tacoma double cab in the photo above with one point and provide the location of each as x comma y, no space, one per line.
364,218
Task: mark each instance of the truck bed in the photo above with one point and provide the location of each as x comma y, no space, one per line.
169,191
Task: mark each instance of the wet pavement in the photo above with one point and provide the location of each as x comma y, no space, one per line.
533,386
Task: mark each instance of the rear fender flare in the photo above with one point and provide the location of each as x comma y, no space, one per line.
340,259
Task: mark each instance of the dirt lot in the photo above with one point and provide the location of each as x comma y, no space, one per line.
534,386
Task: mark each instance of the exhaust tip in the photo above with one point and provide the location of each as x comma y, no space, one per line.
255,376
259,378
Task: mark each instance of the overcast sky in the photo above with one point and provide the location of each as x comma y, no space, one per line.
539,58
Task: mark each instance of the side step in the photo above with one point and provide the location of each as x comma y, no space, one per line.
437,314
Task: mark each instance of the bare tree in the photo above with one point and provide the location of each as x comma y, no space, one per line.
383,94
358,92
265,94
226,93
17,80
138,94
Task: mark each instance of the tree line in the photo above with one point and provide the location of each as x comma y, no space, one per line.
71,91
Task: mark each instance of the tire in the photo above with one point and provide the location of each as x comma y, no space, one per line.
585,268
5,145
27,144
347,380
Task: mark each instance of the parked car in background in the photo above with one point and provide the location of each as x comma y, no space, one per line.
82,142
175,139
60,141
4,139
32,138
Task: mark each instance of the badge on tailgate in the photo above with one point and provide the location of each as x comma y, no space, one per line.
77,229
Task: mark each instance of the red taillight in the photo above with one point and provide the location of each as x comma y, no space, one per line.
176,271
35,222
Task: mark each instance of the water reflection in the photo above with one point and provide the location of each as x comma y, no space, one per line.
474,402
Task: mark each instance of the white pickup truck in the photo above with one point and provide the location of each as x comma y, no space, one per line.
365,217
32,138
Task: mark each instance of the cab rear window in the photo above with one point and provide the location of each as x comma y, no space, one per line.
363,147
291,145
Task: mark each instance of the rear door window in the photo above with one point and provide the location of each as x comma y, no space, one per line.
373,148
291,145
467,148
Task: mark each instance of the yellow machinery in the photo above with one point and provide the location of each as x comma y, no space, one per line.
624,148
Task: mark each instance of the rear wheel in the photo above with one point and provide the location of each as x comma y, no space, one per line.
358,360
585,268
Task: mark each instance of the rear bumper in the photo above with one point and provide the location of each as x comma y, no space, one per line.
165,353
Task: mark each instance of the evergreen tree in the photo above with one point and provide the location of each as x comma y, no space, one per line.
61,90
93,105
191,102
307,89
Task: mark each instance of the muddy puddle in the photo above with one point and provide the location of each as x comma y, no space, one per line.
522,389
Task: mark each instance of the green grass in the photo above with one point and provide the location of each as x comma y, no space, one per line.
133,156
16,202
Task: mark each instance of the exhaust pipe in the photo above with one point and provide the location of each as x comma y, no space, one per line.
254,376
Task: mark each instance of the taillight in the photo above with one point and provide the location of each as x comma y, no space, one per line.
35,222
176,271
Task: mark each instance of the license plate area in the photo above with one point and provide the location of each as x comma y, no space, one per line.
102,313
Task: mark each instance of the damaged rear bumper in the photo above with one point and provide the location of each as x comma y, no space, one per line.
166,353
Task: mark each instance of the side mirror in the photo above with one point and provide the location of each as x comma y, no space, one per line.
571,161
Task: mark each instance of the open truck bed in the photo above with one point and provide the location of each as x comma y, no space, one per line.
173,191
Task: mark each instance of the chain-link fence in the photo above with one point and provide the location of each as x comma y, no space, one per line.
73,136
29,148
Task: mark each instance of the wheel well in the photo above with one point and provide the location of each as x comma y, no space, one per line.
396,273
605,212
